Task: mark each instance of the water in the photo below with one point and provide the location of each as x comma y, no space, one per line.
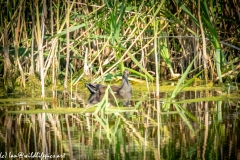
194,125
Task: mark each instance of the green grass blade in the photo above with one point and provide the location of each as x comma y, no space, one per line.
183,116
182,79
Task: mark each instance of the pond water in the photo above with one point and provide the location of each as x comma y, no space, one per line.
195,125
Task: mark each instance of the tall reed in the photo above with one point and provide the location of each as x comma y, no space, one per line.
116,35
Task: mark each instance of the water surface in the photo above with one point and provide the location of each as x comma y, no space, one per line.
195,125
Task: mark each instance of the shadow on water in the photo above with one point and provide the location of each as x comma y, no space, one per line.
195,125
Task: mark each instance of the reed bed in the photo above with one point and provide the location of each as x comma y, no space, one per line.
49,40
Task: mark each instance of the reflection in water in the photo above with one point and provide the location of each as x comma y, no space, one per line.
212,131
96,98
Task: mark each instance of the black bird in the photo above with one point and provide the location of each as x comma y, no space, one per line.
124,91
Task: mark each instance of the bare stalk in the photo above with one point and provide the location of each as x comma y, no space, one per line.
40,34
32,47
16,46
68,50
156,59
204,45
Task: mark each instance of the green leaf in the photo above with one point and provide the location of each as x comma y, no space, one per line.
70,30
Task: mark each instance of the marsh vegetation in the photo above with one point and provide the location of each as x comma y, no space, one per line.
184,63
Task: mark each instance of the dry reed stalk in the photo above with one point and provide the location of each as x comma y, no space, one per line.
205,57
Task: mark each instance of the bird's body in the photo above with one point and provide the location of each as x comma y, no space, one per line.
124,91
